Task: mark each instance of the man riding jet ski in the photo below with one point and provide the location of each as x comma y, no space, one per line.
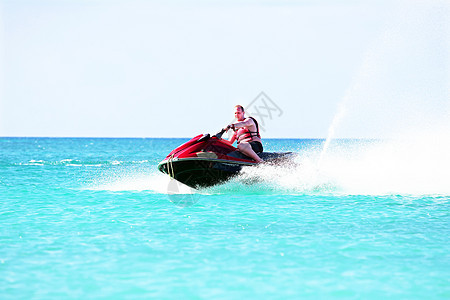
247,134
208,160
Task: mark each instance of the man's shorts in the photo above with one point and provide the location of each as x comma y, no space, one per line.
256,146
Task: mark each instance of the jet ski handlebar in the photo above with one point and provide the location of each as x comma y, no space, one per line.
220,133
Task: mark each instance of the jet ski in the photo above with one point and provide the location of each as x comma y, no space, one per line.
208,160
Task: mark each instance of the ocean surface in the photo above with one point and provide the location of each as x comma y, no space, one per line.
93,218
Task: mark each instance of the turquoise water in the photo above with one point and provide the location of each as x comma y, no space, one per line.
93,218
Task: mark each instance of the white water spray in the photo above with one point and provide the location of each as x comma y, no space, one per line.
404,80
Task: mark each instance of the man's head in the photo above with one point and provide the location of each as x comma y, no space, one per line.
239,112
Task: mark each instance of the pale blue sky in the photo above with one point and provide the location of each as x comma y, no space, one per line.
177,68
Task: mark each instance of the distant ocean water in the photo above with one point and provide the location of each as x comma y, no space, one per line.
93,218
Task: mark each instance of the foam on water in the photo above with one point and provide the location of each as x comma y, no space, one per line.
395,167
408,167
132,180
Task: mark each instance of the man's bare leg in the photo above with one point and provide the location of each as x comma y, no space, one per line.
245,148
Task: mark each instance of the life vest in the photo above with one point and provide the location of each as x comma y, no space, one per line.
243,133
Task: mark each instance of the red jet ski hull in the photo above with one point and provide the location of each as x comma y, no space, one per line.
206,161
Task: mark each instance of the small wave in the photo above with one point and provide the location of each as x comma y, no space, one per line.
34,163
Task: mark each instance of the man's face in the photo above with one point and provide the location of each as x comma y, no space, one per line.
238,114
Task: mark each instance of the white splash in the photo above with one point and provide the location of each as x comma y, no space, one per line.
139,181
418,165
